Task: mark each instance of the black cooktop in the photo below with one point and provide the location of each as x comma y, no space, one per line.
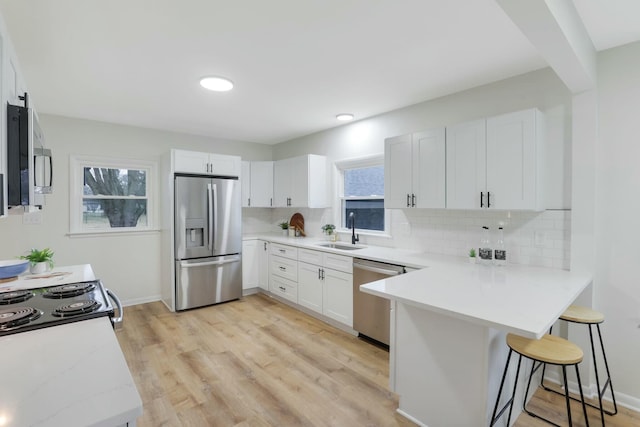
29,309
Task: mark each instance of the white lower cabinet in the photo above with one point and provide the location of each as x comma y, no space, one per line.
263,264
337,298
283,271
310,286
325,284
250,264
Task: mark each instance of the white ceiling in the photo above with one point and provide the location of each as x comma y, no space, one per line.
295,63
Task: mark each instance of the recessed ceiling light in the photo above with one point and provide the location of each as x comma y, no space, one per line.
344,117
215,83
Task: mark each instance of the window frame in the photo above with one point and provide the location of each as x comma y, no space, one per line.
78,163
356,163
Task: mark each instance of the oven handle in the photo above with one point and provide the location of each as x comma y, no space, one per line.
117,321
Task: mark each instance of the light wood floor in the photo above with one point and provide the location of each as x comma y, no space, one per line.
258,362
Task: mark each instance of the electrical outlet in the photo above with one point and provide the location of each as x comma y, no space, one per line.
32,218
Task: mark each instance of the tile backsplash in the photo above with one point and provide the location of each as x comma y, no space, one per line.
531,238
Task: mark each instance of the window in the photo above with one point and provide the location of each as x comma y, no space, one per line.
110,195
362,193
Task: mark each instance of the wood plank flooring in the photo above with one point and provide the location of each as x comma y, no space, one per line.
258,362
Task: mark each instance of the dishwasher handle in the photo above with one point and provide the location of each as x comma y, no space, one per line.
386,271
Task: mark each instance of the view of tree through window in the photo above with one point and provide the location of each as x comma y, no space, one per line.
364,196
114,197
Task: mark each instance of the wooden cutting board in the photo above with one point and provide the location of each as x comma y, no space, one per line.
297,221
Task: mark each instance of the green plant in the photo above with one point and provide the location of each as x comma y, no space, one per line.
328,228
472,253
284,225
36,256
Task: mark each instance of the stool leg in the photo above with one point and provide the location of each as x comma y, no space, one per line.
608,382
584,407
595,368
509,403
566,393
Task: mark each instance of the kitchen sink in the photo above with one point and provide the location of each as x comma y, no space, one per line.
341,246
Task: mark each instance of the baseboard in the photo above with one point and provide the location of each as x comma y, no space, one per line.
590,391
136,301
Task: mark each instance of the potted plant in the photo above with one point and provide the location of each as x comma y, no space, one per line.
284,225
40,260
328,230
472,255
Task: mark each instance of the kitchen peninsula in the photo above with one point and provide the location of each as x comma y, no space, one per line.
448,327
69,374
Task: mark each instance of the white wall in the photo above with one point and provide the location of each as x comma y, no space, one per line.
617,278
454,232
128,264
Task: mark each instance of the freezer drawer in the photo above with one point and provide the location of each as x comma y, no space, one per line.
208,281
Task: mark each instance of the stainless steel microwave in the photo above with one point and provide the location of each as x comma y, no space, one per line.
29,163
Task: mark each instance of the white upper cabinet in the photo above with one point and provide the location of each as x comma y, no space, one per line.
415,170
206,163
514,148
494,163
466,165
261,184
245,184
300,182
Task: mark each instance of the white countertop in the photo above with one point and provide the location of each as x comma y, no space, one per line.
67,375
404,257
517,299
57,276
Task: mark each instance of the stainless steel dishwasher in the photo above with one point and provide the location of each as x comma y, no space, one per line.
371,313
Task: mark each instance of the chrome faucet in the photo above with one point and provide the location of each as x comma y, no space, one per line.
354,237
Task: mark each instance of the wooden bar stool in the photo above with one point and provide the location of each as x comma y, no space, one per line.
589,317
548,349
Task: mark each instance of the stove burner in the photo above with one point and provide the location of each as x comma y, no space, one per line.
14,297
75,308
70,290
11,318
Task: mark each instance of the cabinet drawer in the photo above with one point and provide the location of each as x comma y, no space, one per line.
310,256
284,288
284,267
338,262
284,251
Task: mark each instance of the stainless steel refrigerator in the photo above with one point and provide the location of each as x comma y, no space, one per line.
208,240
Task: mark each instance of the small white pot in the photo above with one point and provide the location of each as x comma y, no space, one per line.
472,260
39,267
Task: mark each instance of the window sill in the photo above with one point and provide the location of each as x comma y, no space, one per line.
96,233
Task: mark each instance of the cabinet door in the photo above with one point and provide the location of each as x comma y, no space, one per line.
511,160
397,172
263,261
429,161
317,188
310,286
190,161
250,266
261,184
299,181
245,180
466,165
337,301
224,165
282,177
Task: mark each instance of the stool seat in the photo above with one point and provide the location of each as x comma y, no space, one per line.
578,314
548,349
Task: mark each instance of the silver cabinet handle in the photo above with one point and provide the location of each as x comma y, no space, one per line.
283,268
408,201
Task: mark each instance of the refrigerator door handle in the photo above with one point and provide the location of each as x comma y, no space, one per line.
184,264
214,216
210,216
